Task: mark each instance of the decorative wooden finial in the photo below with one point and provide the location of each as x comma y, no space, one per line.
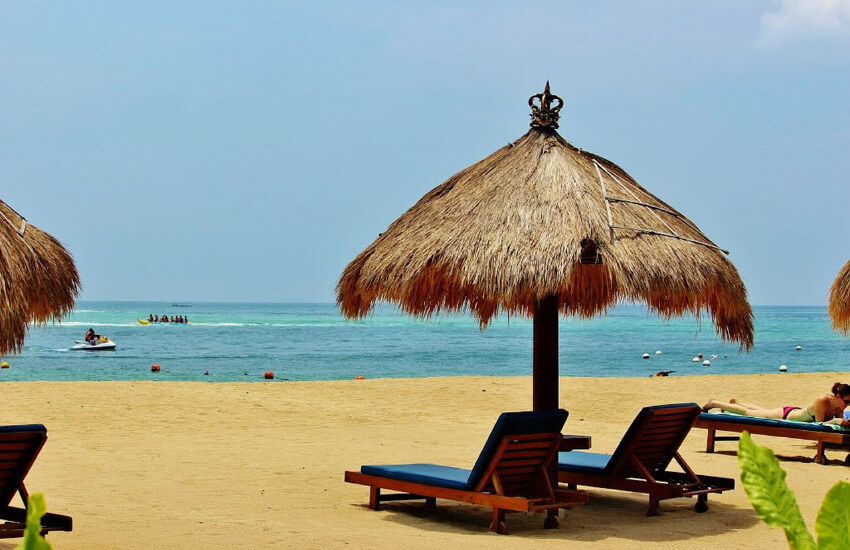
543,113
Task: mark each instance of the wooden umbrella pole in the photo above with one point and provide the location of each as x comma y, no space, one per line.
546,354
545,383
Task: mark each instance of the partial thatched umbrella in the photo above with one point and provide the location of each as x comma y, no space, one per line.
541,227
839,300
39,279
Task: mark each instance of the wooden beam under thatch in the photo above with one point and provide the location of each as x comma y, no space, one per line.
839,300
521,224
39,281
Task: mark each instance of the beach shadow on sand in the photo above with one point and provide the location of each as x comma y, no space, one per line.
834,456
607,516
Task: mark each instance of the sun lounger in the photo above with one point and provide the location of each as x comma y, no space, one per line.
823,434
640,462
509,475
19,446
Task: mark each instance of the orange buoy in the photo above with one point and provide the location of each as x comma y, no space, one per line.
154,368
269,375
4,365
360,377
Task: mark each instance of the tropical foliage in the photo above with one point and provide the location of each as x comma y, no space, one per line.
764,481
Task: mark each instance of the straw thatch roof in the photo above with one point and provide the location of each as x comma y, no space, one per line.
839,300
38,279
531,220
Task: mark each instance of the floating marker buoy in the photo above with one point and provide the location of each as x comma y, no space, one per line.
154,368
658,352
699,355
695,359
269,375
783,368
4,365
646,356
360,377
799,348
706,363
713,357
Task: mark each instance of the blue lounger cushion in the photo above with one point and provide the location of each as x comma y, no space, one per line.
770,422
23,428
427,474
583,462
509,423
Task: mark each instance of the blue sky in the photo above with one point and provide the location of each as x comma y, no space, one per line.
248,150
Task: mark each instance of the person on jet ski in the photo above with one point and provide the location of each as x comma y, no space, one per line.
91,337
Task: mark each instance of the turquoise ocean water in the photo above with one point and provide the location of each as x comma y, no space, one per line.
239,342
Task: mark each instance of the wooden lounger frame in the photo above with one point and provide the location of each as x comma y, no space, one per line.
642,466
516,480
823,438
18,451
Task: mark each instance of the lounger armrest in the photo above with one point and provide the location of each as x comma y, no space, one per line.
574,443
49,521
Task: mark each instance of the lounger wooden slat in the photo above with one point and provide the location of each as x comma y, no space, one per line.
516,475
640,462
509,475
11,456
19,447
526,454
823,435
22,436
532,445
517,463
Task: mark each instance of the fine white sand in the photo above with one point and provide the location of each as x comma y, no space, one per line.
260,465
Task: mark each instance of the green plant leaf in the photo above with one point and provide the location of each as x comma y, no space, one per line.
764,480
36,508
833,523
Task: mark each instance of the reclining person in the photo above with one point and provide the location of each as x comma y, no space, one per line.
826,408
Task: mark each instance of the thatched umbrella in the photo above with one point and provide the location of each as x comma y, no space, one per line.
541,227
38,279
839,300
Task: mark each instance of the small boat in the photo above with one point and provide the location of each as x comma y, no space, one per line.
103,344
144,322
181,305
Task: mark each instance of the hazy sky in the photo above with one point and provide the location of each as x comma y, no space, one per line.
248,150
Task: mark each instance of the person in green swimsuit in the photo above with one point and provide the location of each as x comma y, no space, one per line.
826,408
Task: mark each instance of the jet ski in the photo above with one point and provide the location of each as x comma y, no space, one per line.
103,343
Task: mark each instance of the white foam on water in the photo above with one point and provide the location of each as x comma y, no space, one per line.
93,324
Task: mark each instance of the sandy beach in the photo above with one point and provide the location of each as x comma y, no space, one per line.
250,465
